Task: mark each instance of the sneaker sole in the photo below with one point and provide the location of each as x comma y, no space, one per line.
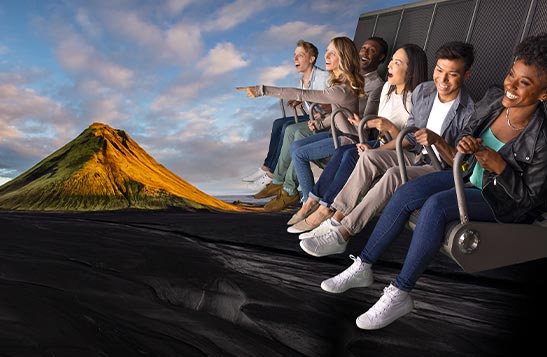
387,322
364,285
317,254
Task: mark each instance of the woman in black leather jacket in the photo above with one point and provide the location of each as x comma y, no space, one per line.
509,143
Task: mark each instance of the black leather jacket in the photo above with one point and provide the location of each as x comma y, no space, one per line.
519,193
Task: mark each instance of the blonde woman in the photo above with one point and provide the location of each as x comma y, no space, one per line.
346,85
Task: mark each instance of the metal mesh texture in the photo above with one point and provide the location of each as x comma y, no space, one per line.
387,28
364,30
414,26
451,23
539,20
497,30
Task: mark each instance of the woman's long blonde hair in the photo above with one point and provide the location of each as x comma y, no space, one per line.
349,66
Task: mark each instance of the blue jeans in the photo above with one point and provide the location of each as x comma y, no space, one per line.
336,173
276,139
316,147
435,195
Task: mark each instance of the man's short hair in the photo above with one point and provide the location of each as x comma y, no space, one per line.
457,50
383,45
309,48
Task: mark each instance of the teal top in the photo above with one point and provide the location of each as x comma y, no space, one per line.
488,139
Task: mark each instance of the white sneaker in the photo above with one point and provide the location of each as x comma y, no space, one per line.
325,227
254,176
393,304
357,275
260,183
329,243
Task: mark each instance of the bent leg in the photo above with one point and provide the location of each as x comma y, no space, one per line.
406,199
330,172
302,156
371,164
439,210
378,196
285,155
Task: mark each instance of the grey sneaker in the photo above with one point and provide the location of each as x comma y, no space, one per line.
357,275
325,227
393,304
329,243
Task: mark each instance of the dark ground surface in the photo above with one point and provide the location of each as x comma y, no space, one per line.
171,283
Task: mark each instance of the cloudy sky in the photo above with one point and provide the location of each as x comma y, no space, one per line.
164,71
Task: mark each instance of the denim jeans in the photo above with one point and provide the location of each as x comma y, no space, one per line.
315,147
435,195
336,173
276,139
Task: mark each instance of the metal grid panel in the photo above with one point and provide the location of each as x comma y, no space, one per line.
499,25
539,20
387,27
364,30
451,23
414,26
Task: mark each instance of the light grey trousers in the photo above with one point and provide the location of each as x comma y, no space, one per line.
380,166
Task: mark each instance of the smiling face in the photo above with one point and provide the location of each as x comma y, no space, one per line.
397,69
332,59
370,56
448,76
303,61
524,86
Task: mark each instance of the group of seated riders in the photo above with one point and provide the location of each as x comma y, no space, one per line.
503,135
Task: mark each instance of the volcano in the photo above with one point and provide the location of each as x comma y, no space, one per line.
103,169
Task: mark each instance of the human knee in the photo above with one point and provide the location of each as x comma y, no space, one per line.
278,124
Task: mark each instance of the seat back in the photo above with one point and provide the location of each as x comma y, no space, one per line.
494,27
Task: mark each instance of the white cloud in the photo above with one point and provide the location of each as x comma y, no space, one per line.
89,26
185,42
173,99
181,42
233,14
79,57
176,6
223,58
3,180
270,75
317,34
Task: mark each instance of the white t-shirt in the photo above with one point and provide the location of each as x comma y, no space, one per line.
392,108
437,115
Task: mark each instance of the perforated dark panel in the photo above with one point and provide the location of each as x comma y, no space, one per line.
451,23
386,27
497,31
364,30
539,20
414,26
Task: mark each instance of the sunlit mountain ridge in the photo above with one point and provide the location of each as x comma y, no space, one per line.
103,169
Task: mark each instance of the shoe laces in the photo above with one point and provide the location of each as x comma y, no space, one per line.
384,303
350,271
327,237
262,179
324,228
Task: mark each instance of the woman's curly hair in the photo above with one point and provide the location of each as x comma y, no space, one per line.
533,51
